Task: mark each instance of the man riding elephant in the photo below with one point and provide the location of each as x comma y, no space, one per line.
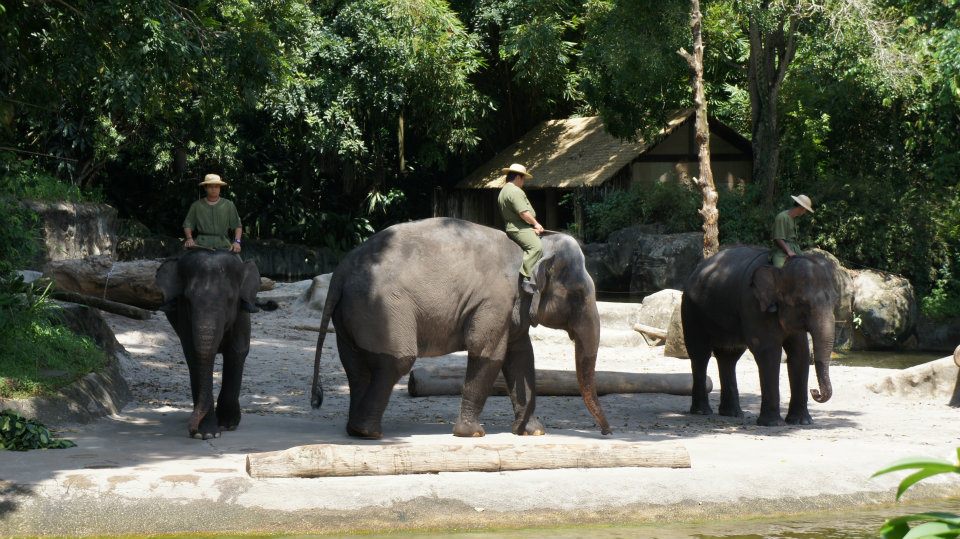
521,221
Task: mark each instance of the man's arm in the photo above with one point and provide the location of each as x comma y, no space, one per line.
784,247
235,245
532,221
188,233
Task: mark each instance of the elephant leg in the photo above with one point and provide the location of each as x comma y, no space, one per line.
698,348
519,374
729,393
477,385
798,369
358,372
367,415
768,363
235,352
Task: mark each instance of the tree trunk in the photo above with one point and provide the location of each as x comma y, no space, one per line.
348,460
711,234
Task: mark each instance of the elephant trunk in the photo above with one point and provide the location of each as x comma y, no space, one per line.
823,338
207,335
587,341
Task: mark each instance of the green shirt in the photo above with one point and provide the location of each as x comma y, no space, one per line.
785,228
212,223
512,202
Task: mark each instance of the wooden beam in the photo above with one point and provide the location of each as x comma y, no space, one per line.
336,460
431,380
651,331
103,304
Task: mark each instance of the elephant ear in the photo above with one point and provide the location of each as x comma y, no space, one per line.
250,283
541,274
168,279
765,286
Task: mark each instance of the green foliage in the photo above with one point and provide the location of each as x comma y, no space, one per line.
671,203
38,356
742,218
18,433
934,524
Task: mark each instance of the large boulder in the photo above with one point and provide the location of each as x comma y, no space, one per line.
664,261
609,263
657,309
885,309
938,335
935,380
74,230
675,345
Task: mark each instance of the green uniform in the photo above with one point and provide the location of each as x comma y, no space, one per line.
784,228
512,202
212,224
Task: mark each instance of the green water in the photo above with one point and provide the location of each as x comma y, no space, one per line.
885,360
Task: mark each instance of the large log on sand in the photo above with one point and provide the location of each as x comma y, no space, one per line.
334,460
429,381
131,282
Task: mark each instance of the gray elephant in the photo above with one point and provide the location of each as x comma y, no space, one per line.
207,287
438,286
736,300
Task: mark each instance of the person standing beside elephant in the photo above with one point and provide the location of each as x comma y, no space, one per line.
785,231
212,218
521,221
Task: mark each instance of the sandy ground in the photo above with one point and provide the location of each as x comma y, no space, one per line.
737,468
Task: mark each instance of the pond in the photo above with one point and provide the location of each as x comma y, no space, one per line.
885,359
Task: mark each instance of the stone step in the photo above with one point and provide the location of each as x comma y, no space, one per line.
617,315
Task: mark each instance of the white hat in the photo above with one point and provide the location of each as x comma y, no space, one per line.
517,169
803,201
212,179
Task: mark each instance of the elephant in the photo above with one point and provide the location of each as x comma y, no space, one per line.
208,286
736,300
441,285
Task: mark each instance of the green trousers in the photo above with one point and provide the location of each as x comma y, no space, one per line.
529,241
778,257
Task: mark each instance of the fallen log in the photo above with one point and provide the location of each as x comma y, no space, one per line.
334,460
103,304
308,327
431,381
656,333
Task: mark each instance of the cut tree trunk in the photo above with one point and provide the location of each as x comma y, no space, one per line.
430,381
333,460
656,333
102,277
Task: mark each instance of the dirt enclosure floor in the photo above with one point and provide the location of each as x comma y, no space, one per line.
138,472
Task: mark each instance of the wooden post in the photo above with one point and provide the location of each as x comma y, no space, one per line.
334,460
430,381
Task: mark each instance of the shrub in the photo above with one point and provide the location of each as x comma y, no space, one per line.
18,433
672,204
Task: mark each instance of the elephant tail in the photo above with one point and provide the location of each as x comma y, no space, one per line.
333,297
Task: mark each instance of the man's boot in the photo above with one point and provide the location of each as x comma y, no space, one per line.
528,285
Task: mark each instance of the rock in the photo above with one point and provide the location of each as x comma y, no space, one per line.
74,230
657,309
664,261
938,335
609,263
316,296
885,309
29,276
675,346
94,395
101,276
933,380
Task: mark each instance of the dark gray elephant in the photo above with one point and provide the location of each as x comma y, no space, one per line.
208,286
437,286
736,300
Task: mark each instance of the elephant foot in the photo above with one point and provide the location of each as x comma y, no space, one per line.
468,429
701,409
204,427
362,431
731,411
228,419
801,418
532,428
205,435
770,420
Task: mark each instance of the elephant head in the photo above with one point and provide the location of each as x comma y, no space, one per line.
805,297
566,299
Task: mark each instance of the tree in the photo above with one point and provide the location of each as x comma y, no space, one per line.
711,241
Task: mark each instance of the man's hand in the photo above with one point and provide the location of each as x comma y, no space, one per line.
235,247
538,229
189,244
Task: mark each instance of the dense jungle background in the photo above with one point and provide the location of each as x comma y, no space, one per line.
332,119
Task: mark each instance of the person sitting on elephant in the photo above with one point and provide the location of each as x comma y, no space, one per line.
521,221
212,218
785,231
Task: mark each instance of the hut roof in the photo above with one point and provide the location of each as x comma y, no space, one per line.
577,152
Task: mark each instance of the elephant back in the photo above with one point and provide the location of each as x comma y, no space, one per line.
724,278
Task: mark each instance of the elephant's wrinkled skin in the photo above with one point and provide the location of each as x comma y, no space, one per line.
208,286
438,286
726,309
